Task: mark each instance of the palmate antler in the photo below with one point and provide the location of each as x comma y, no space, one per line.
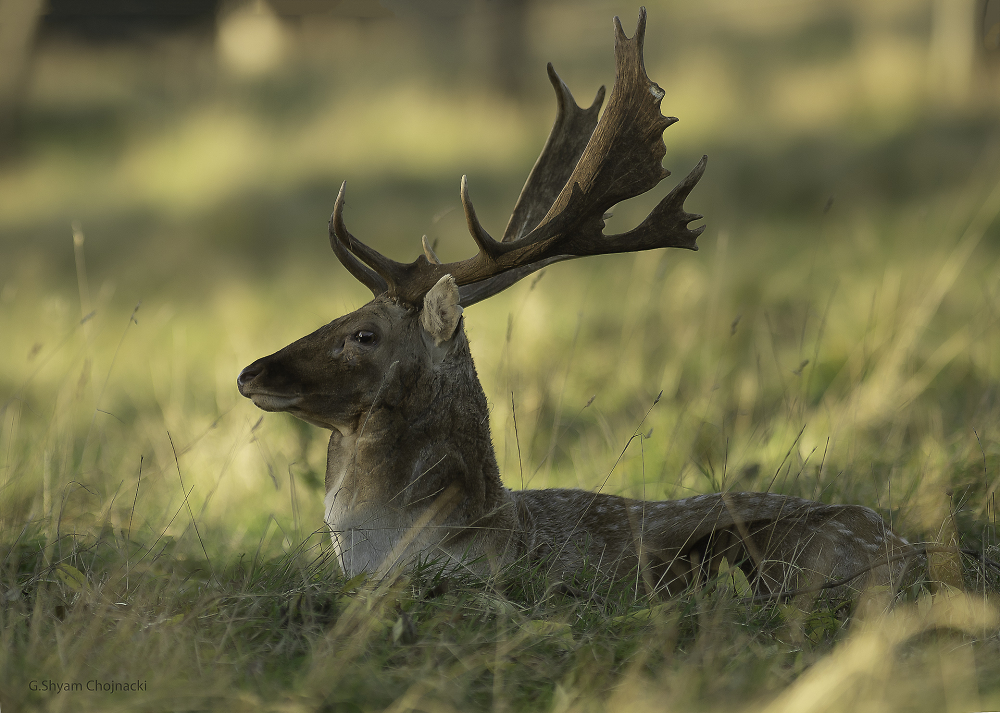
586,167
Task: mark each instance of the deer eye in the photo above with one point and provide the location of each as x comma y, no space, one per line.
364,337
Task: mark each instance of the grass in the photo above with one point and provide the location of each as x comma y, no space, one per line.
106,577
155,527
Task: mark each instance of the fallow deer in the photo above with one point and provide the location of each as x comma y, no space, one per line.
411,469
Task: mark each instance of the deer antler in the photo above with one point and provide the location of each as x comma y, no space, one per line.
586,167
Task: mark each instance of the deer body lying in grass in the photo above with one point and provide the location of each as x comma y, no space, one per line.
411,468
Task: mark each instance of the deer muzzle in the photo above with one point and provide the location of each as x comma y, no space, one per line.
248,382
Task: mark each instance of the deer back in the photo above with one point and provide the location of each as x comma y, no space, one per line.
781,542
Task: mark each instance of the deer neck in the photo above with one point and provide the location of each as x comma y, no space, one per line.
422,454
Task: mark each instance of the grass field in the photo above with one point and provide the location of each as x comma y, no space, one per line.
162,224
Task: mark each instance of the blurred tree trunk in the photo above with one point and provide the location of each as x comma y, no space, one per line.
953,49
18,20
508,42
482,40
988,28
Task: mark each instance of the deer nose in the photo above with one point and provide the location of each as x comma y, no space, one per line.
249,374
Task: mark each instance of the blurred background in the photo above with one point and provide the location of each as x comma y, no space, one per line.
167,170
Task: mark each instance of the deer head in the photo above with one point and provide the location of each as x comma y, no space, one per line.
332,377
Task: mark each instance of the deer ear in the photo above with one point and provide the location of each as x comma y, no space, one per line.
441,313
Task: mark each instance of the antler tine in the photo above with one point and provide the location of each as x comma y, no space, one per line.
340,238
429,253
567,140
398,277
487,245
668,217
640,32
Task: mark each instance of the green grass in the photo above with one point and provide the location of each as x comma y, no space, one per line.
156,527
106,577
